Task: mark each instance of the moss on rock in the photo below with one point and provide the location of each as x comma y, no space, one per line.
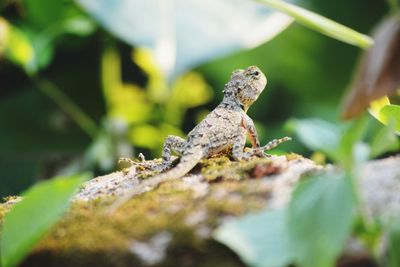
168,226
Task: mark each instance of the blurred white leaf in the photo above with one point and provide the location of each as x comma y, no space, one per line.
185,33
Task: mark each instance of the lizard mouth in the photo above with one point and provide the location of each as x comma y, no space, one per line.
250,95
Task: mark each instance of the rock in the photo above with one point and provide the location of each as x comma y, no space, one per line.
172,224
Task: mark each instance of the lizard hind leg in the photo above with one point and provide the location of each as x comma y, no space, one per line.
173,143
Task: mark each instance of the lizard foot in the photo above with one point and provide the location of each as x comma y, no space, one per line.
260,151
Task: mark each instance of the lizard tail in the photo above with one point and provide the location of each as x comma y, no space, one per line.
187,162
274,143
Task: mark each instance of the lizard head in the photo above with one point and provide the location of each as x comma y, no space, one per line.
246,85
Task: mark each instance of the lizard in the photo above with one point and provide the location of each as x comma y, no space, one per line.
223,129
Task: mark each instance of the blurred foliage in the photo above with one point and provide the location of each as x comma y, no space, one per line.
57,100
259,246
142,115
276,237
26,223
393,257
386,113
317,214
370,139
325,209
182,35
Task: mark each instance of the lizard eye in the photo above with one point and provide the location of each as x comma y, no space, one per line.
256,73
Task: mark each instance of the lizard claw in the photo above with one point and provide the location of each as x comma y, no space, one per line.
259,153
141,157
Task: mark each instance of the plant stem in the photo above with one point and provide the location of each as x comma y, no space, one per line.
67,105
321,24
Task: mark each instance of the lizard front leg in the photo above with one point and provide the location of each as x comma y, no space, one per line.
175,143
252,133
238,152
238,145
251,130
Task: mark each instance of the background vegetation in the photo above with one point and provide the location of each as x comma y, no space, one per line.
119,104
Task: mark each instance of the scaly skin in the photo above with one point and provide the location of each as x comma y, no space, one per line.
224,129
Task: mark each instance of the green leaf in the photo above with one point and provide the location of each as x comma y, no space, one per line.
261,240
320,219
342,143
29,220
44,42
384,140
321,24
318,135
391,114
394,244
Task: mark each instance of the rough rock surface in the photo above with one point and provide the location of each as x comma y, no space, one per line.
380,187
172,224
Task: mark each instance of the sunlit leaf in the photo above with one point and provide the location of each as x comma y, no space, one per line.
261,240
157,86
183,34
130,103
191,90
383,141
146,136
29,220
152,137
320,219
124,101
386,113
376,107
391,115
16,46
188,91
